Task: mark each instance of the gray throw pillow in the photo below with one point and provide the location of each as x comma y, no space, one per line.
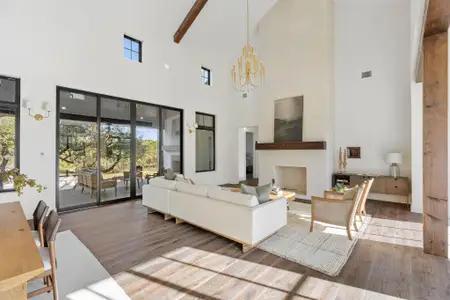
262,193
169,174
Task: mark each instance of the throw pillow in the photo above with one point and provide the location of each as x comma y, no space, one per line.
169,174
262,193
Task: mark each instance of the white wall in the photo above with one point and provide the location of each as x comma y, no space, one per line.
78,44
295,41
417,20
373,113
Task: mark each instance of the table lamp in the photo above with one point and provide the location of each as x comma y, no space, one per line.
395,159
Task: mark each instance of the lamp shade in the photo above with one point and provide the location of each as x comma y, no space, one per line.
394,158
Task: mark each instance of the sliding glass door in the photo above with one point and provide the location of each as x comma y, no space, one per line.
78,149
110,147
147,144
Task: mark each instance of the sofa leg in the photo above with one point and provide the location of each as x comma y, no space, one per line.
246,248
168,217
178,221
150,210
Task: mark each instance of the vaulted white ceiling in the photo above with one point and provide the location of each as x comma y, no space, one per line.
221,21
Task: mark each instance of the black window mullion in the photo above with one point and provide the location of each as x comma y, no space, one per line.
133,150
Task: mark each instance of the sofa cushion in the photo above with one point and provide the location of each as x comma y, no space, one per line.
197,190
163,183
217,193
262,193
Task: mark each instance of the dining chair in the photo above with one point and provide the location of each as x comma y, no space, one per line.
38,221
340,212
48,256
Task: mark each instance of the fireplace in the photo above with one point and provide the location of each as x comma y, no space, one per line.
291,178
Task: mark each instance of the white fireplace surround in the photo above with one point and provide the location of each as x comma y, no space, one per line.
292,178
317,164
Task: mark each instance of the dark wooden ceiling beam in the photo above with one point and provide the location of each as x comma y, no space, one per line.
189,20
438,17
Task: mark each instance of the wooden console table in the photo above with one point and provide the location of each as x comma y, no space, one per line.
383,185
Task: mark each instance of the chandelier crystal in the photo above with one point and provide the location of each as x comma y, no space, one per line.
249,72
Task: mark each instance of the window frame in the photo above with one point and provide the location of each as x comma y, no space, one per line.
208,71
207,128
131,49
15,107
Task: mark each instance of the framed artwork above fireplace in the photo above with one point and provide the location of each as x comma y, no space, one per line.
288,123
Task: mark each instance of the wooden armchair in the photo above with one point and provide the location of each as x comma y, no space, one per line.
105,183
339,212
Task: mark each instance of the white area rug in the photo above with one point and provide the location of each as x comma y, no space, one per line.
326,249
80,275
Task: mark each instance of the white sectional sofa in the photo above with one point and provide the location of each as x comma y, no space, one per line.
235,216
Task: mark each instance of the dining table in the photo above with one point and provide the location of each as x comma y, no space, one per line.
20,260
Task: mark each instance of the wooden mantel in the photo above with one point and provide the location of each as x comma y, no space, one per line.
292,146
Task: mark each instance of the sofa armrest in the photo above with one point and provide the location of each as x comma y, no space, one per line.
267,218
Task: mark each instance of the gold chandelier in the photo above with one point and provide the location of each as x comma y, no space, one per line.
249,71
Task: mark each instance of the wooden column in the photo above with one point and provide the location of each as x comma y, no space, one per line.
435,144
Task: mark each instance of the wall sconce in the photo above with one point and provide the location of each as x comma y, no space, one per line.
191,128
37,117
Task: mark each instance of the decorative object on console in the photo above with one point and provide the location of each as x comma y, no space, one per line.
340,160
354,152
344,163
288,123
37,117
395,159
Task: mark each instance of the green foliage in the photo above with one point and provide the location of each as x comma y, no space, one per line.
20,181
78,148
339,187
7,141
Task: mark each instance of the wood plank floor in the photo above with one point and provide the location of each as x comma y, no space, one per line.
156,259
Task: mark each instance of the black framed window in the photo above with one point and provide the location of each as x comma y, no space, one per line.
205,142
9,127
206,76
132,48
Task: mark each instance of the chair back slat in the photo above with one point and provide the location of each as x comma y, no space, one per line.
39,214
51,227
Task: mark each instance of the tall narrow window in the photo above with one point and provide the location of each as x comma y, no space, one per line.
132,48
205,142
9,128
206,76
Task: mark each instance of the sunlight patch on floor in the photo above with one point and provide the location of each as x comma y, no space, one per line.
394,232
193,273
